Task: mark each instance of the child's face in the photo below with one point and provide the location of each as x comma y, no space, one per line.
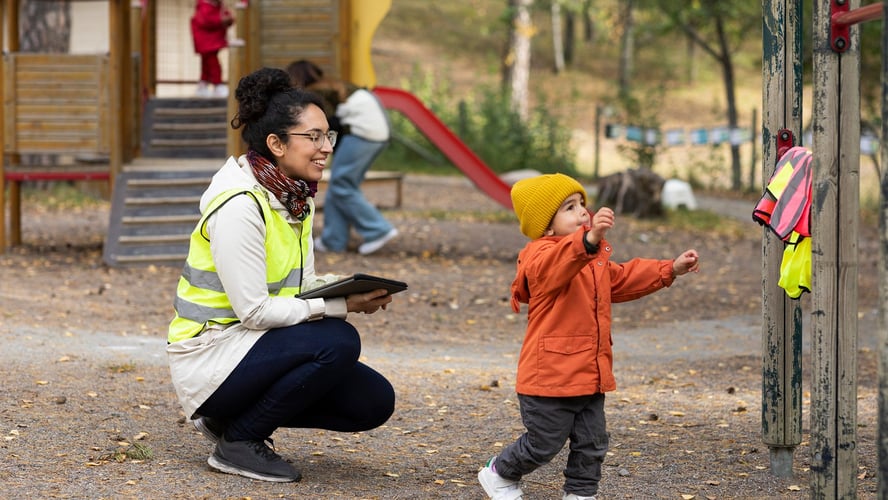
570,216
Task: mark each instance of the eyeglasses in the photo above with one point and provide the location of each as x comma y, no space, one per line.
317,137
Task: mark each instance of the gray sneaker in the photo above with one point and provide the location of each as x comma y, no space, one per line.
253,459
211,428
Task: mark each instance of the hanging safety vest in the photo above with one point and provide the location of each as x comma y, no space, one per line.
785,208
200,298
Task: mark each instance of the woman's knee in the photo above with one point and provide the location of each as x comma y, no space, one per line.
342,340
380,407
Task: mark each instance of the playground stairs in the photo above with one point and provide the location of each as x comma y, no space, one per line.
184,128
154,209
155,198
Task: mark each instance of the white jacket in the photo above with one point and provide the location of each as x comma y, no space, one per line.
365,116
199,365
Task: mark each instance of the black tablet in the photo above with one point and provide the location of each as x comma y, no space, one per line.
356,283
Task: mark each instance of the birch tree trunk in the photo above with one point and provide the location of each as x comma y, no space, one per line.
557,36
517,61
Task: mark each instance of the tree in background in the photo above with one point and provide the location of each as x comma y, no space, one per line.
516,63
871,83
719,28
564,34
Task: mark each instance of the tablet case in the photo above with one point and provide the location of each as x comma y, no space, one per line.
356,283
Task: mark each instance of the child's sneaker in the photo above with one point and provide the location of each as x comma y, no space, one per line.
496,486
574,496
203,89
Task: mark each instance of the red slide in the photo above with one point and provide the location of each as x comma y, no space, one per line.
444,139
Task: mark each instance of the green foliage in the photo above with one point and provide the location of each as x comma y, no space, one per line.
706,222
486,123
643,112
60,195
128,367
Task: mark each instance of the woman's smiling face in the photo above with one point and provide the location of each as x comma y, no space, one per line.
297,156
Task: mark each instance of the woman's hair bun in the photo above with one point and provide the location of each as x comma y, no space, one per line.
256,90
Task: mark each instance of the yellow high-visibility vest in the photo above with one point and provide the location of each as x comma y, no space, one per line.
200,298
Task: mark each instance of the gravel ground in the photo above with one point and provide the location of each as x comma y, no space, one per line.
88,411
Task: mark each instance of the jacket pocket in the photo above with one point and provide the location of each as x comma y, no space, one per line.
568,362
569,345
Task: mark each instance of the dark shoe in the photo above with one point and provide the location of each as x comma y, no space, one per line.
253,459
211,428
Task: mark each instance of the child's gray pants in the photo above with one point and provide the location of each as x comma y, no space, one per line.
549,423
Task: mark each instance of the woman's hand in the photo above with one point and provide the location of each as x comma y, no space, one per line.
368,303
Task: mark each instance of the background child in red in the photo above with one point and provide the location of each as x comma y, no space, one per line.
209,29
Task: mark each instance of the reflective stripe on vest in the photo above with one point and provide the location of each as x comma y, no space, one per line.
785,205
200,297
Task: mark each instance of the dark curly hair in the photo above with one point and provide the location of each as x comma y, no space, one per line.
267,103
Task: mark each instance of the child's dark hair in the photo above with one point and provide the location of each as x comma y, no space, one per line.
267,103
304,73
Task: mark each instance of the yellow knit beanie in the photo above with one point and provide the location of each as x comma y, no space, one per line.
536,200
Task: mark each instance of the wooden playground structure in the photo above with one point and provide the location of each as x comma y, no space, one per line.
85,112
80,115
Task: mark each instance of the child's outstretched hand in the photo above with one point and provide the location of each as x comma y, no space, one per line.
602,220
688,262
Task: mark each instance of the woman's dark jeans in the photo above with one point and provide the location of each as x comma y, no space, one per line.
306,376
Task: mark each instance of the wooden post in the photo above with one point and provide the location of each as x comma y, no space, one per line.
781,315
120,61
834,228
12,26
2,131
883,282
238,49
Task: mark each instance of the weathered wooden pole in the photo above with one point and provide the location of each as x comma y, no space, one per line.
238,50
781,315
834,229
883,280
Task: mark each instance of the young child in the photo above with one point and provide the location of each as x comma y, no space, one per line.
209,29
566,277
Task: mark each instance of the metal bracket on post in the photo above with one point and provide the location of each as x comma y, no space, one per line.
785,141
841,18
839,32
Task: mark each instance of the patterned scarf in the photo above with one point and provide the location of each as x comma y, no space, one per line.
292,193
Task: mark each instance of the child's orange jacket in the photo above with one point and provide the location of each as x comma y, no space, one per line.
567,346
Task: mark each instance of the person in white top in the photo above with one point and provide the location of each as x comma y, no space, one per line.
365,132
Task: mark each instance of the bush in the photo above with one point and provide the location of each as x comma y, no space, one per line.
486,123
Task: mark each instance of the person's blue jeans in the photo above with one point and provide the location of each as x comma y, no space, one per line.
304,376
345,205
